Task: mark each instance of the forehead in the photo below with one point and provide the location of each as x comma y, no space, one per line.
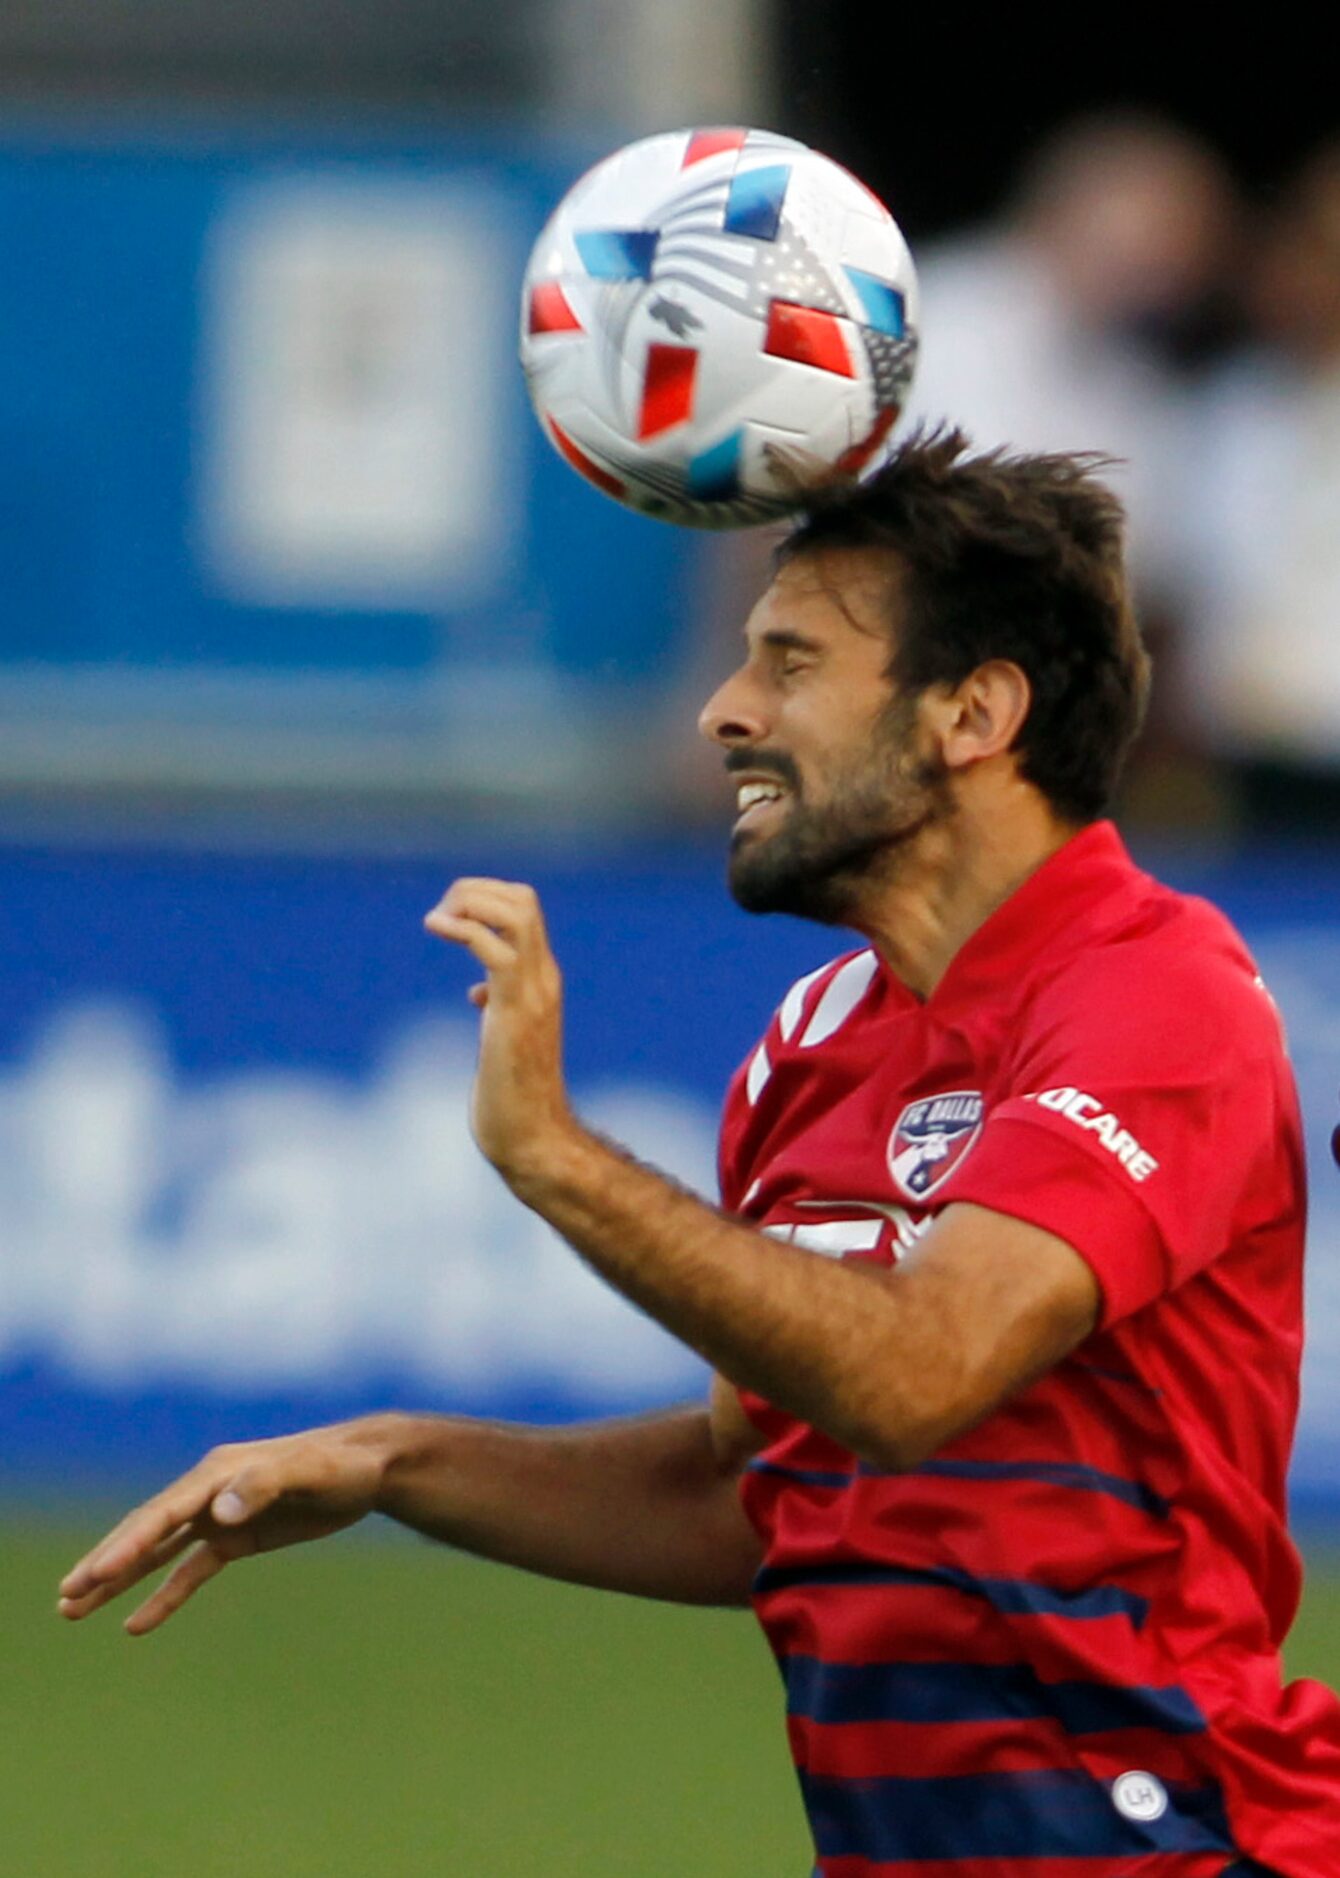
832,593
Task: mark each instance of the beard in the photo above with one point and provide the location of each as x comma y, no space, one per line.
821,861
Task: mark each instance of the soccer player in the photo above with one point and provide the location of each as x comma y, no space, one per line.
1004,1298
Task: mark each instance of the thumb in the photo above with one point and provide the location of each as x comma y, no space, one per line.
246,1495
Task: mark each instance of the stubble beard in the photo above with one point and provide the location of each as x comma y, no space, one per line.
822,862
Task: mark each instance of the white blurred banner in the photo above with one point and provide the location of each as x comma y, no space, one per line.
270,1228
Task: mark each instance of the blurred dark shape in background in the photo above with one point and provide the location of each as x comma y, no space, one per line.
1077,320
1263,521
1130,218
1126,201
470,55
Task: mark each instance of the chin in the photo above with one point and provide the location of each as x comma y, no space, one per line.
761,882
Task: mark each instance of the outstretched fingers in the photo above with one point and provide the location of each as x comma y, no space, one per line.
253,1497
196,1569
83,1604
140,1533
220,1492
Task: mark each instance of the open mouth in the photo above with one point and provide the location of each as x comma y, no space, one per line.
756,799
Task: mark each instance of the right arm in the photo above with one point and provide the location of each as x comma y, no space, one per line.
647,1505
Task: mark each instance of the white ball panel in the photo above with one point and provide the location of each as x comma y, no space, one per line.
710,290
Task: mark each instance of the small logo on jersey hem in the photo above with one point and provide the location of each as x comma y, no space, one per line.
1139,1796
931,1137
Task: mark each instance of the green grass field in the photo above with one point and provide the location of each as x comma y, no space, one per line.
380,1707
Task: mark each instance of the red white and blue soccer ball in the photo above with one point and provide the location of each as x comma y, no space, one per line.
715,321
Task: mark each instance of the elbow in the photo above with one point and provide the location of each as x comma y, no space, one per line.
898,1431
900,1413
898,1446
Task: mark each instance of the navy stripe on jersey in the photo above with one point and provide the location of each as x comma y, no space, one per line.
978,1692
1055,1813
803,1476
1072,1474
1013,1596
1056,1474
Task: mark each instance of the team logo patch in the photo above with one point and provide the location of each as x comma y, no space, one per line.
931,1137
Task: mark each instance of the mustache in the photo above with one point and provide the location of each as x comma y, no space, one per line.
767,762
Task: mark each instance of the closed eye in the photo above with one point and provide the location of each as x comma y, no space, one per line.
789,652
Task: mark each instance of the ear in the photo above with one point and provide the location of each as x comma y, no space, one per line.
983,716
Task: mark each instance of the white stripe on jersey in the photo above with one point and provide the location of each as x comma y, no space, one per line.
842,994
793,1004
759,1071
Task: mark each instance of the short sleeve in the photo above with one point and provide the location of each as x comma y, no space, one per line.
1147,1117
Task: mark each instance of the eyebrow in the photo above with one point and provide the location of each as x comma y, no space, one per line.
786,639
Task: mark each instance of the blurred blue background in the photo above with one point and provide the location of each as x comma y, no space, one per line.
239,1189
303,617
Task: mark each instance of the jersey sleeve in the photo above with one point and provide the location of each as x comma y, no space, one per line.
1148,1114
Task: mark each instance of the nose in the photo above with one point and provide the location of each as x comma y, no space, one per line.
732,715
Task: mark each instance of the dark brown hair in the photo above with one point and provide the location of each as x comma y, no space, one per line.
1007,557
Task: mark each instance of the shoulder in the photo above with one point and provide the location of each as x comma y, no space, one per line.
1174,976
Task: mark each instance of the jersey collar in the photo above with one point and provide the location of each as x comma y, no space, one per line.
1052,911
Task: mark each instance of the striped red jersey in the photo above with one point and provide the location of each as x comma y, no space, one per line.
1052,1649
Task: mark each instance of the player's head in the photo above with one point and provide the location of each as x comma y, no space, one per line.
985,592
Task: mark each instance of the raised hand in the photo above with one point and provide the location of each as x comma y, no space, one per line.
520,1105
239,1500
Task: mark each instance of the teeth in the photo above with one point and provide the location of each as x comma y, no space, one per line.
751,792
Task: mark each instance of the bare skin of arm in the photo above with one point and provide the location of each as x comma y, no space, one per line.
647,1505
890,1363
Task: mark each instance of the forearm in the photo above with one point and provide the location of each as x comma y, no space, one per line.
890,1362
808,1333
644,1505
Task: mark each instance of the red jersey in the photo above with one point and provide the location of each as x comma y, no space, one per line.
1053,1648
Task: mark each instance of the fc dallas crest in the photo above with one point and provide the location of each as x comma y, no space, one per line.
931,1137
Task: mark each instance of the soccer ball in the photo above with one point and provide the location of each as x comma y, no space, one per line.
715,322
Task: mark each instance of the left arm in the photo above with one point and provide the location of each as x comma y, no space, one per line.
891,1363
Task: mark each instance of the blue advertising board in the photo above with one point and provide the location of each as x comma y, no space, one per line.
237,1190
269,479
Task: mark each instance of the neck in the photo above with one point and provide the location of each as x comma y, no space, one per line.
947,881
